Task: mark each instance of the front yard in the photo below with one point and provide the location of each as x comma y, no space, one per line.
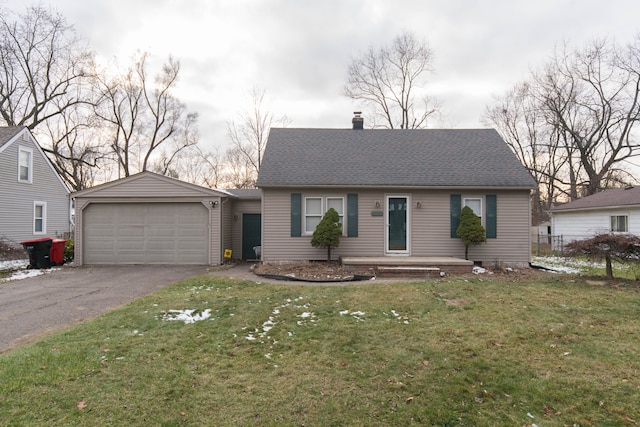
480,351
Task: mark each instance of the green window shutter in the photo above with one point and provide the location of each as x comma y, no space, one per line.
455,206
296,214
491,220
352,215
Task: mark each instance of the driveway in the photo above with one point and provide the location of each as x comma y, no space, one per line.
35,306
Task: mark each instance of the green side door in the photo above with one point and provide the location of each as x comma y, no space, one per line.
251,234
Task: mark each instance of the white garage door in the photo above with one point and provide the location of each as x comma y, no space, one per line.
146,233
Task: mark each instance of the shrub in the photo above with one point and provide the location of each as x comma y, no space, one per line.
69,250
10,250
470,229
618,247
327,233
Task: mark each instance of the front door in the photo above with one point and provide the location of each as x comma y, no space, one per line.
397,224
251,235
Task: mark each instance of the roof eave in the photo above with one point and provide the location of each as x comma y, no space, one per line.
408,187
593,208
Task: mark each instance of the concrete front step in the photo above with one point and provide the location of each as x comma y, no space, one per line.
409,266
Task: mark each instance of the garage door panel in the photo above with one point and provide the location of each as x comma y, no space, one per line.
125,232
146,233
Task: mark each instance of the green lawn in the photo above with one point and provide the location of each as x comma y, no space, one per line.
483,351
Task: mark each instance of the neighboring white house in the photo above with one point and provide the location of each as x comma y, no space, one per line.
34,199
610,211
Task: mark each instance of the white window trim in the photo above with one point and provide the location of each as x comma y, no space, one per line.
22,149
44,218
616,231
481,208
324,207
388,251
306,215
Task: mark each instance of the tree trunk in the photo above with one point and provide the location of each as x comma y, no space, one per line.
328,253
466,252
609,267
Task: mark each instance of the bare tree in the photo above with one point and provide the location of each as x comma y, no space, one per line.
591,95
573,123
249,137
41,63
142,117
76,149
200,167
517,117
44,72
391,81
238,170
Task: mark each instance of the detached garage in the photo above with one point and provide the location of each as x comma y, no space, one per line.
151,219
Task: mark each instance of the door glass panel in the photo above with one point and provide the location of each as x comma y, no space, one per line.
397,213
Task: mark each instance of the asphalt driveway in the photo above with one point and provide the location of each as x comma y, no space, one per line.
35,306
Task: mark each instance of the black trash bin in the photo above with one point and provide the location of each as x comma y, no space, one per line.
39,252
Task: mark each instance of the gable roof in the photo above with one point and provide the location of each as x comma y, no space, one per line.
8,133
149,185
391,157
11,134
615,197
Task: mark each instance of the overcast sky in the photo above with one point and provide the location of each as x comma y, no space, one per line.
298,51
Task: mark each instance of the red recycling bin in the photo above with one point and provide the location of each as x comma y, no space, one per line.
57,251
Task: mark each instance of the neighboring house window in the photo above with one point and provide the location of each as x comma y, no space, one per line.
337,203
619,223
39,217
475,205
312,213
25,164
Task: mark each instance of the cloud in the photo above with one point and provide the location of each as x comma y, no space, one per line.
299,51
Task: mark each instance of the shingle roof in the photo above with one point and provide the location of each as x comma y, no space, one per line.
380,157
246,193
8,132
608,198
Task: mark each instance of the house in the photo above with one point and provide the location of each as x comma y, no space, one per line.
35,200
610,211
399,193
154,219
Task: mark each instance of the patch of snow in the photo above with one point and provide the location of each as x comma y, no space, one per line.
479,270
562,265
15,264
187,316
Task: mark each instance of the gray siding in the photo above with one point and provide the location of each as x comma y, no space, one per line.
16,208
429,226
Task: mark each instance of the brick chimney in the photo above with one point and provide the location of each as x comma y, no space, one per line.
358,121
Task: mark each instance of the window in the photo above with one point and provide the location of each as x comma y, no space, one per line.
312,213
619,224
316,207
25,163
39,217
475,205
337,203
